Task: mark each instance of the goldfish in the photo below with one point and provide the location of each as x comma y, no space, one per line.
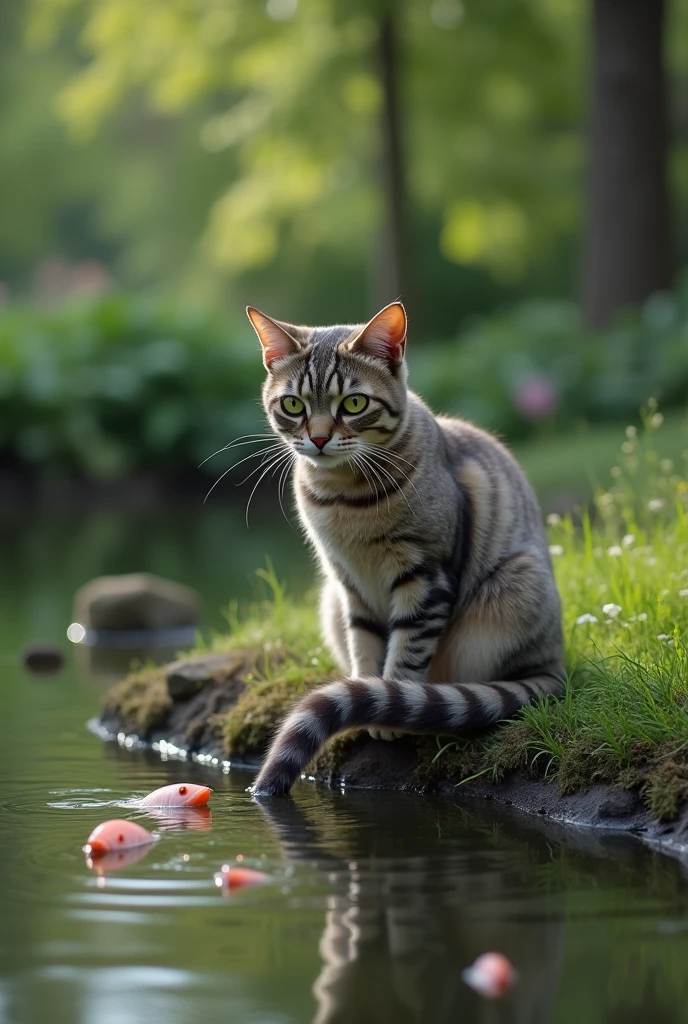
233,877
492,975
185,794
117,834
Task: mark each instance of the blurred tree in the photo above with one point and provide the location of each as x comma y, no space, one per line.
255,148
628,253
393,279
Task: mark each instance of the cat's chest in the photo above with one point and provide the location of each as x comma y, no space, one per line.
362,553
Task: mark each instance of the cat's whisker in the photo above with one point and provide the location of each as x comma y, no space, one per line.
399,470
272,464
395,483
267,454
238,442
360,462
281,484
381,448
234,465
377,477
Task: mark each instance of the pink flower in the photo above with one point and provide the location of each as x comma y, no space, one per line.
535,397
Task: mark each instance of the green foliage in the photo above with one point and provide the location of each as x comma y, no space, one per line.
293,94
120,384
115,385
535,365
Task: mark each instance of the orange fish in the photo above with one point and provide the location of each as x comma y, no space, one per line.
185,794
231,877
492,975
116,834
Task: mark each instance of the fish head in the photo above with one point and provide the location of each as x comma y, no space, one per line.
192,795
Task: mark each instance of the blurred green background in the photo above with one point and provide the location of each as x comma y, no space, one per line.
515,170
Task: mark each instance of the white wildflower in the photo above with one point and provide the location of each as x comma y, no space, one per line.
628,540
556,549
657,419
652,561
554,519
612,610
627,447
662,636
631,431
642,617
587,617
656,505
615,551
683,593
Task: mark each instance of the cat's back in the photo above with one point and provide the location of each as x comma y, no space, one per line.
504,509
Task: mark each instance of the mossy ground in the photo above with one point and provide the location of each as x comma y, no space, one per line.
624,717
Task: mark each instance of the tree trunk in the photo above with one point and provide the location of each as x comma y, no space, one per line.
628,251
391,277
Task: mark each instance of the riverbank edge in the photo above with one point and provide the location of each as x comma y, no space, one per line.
193,724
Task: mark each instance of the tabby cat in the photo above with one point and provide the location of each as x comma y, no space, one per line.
439,600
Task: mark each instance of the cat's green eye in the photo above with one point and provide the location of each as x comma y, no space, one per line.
292,406
354,403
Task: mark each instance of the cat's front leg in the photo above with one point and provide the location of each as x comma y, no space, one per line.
421,606
366,637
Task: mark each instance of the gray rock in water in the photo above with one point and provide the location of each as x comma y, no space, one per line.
135,601
189,675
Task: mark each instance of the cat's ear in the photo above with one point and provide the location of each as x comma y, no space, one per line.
275,337
383,337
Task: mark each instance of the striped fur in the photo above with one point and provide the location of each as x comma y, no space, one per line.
439,600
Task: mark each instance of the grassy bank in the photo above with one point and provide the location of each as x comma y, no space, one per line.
624,717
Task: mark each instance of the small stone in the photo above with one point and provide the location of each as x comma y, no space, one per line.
135,601
617,803
42,659
189,675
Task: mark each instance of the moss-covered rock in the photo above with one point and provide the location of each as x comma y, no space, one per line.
140,703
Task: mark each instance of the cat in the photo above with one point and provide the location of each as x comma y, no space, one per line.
439,600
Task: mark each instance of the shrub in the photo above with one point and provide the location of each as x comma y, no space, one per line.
122,384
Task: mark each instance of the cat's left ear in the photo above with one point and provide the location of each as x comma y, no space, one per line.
277,339
383,337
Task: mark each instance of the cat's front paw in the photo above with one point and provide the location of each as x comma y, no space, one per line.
384,734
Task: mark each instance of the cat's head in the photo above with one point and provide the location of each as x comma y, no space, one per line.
333,391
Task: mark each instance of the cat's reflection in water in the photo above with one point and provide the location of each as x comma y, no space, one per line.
419,890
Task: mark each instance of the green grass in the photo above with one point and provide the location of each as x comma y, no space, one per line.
577,463
623,578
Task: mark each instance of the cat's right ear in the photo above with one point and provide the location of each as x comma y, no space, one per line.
276,340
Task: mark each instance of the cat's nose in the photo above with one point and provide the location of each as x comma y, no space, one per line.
320,442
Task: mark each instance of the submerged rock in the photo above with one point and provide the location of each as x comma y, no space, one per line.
43,659
135,601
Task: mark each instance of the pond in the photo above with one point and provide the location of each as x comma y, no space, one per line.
376,902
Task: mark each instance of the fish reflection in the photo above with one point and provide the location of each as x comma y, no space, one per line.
199,819
399,929
117,860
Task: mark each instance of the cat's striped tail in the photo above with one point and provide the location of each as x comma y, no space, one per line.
389,704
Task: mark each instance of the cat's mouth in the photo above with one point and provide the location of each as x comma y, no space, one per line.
325,460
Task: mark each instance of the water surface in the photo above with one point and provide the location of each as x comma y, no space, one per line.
378,900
